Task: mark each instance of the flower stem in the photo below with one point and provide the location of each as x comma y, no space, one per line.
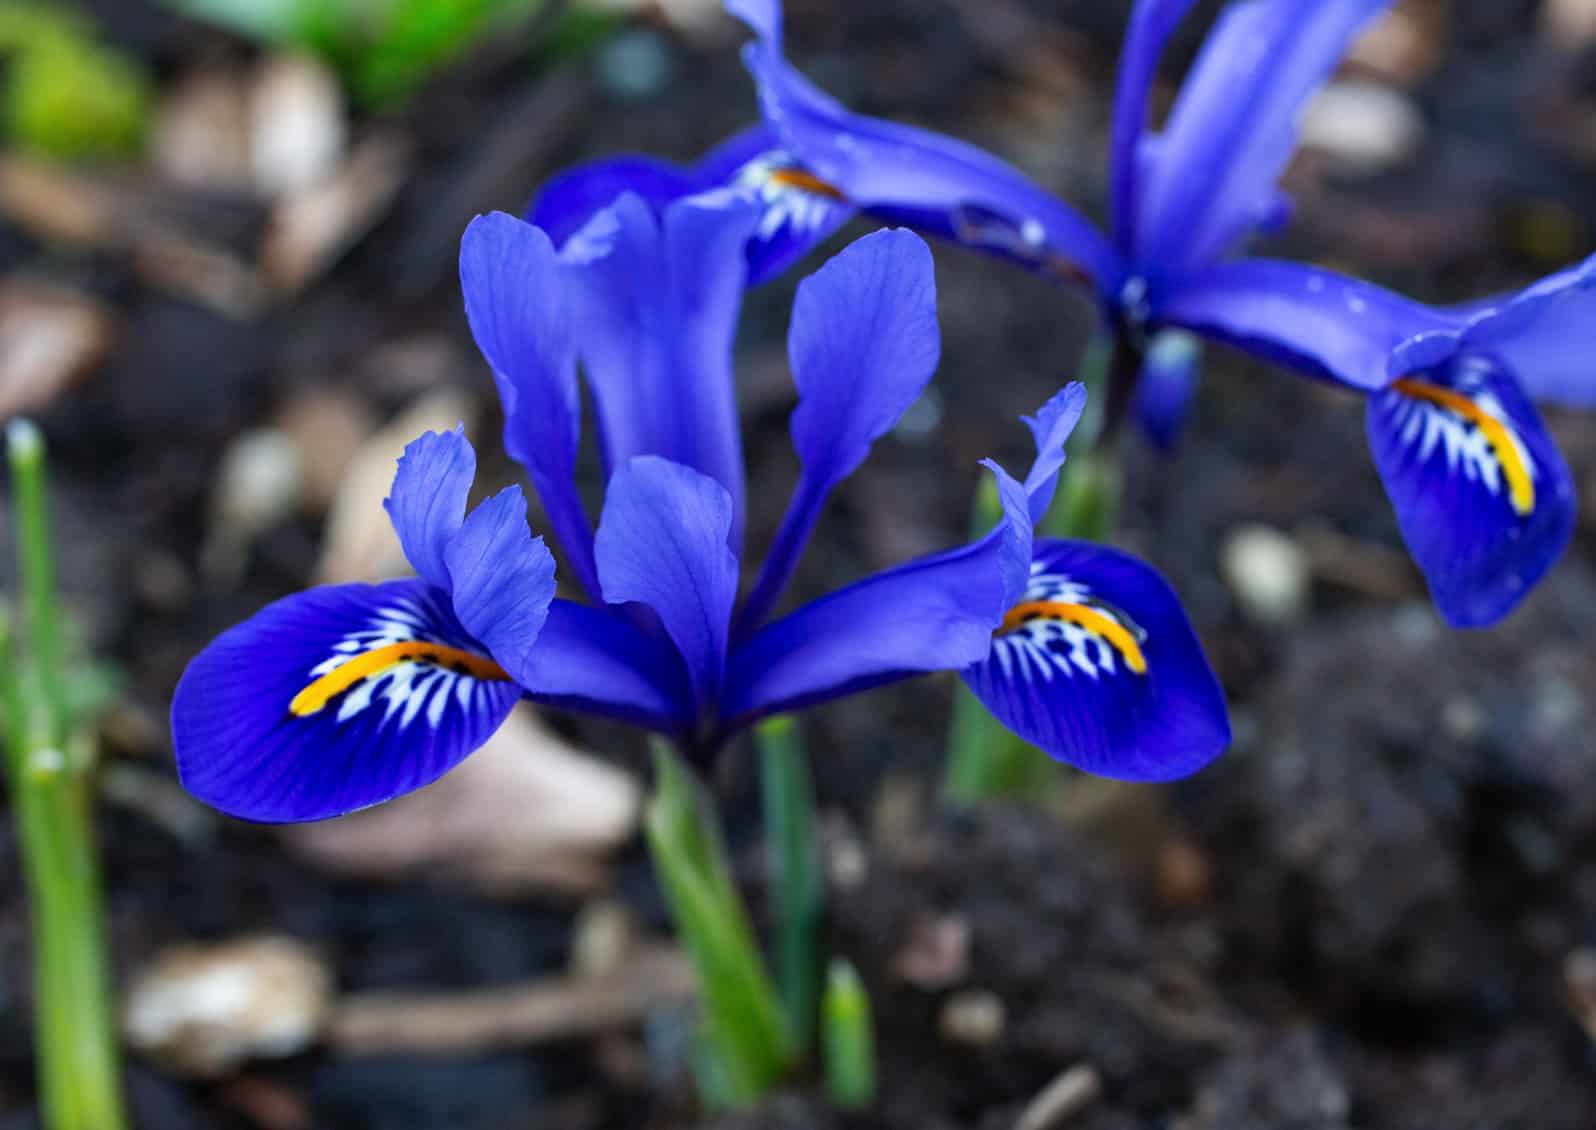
797,888
746,1035
51,786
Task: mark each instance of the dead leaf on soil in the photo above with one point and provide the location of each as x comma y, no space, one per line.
50,338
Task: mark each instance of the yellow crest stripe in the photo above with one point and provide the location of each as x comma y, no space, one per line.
806,182
379,659
1521,488
1089,618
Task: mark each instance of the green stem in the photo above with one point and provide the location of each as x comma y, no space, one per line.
849,1038
745,1031
797,888
53,802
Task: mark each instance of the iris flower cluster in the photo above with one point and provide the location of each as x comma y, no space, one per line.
348,695
1483,498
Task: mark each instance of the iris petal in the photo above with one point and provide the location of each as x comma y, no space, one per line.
428,499
915,177
1098,666
501,579
595,661
1316,321
333,700
1167,384
517,301
864,341
1234,125
660,298
1483,496
662,542
1152,22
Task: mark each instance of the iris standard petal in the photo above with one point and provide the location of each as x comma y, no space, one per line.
863,343
501,579
918,178
1098,666
332,700
1234,125
1152,22
1484,499
595,661
428,499
517,300
1316,321
933,614
662,542
660,298
1166,386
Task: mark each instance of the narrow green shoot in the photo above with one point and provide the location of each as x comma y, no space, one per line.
848,1037
747,1041
49,765
796,883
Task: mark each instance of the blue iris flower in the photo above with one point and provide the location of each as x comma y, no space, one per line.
345,696
1483,497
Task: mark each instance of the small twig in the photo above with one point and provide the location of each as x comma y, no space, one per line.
1071,1092
553,1009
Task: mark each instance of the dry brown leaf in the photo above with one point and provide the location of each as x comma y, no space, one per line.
49,339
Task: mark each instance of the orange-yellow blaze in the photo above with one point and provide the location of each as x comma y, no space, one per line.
1521,488
379,659
1089,618
808,182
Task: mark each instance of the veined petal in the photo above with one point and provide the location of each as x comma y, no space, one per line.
797,210
428,499
1152,22
1484,499
933,614
662,542
1543,335
1167,384
660,299
1316,321
517,299
863,343
332,700
502,580
1098,666
567,202
1234,124
594,661
915,177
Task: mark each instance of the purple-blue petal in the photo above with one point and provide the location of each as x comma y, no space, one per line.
660,298
662,542
1138,702
502,580
1050,429
517,299
427,502
242,749
1307,318
567,202
595,661
863,344
1484,498
1152,22
1211,178
915,177
933,614
1543,334
1166,386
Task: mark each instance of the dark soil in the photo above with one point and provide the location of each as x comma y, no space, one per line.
1360,917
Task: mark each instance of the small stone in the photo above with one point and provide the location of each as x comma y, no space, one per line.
1365,127
1185,877
972,1017
203,1009
937,953
1268,573
297,131
1463,719
1568,24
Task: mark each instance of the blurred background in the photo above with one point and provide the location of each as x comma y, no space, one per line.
228,236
